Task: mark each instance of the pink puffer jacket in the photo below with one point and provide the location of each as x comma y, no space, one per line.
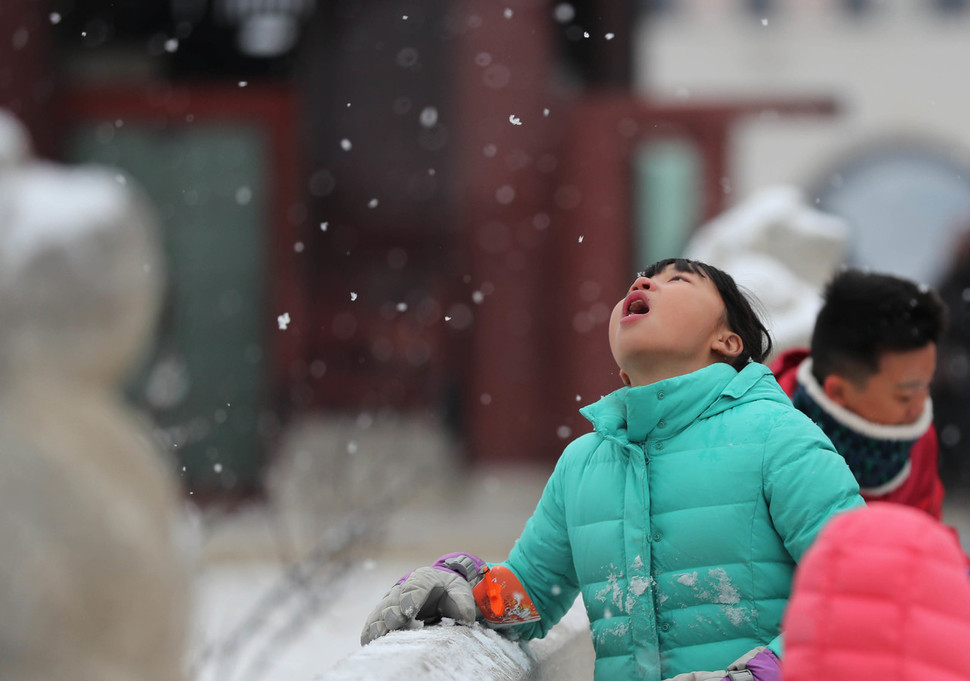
882,594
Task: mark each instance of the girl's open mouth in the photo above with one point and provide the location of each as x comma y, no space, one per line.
636,304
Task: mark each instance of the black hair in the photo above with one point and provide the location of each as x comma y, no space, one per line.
741,317
866,314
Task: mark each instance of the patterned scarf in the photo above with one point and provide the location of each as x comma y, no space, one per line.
878,455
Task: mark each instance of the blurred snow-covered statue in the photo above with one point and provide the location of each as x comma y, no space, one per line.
783,251
93,584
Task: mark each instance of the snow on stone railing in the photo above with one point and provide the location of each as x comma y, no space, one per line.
450,651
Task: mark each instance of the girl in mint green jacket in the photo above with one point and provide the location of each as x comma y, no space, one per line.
680,518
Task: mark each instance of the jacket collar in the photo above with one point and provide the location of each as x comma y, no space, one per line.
633,414
878,455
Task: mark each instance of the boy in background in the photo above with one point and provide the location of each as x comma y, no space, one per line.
866,382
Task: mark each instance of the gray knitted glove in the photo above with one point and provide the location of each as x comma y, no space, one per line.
429,593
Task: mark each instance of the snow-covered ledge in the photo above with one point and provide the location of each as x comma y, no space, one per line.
450,652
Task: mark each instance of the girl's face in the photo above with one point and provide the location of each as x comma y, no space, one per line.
669,325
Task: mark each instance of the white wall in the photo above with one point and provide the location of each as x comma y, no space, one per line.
896,71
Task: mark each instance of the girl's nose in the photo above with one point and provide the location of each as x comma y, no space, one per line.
641,284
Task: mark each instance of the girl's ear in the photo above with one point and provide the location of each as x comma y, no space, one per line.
728,343
624,377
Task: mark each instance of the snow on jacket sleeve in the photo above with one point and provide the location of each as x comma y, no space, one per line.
542,558
806,482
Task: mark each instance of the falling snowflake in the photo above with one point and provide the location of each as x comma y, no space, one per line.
55,18
283,320
243,83
171,45
508,13
353,296
345,144
402,307
505,194
323,226
372,203
515,120
581,239
564,13
545,112
428,117
609,36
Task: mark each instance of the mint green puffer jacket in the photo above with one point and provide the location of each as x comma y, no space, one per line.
680,519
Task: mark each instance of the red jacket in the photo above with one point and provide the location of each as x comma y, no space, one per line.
883,593
923,488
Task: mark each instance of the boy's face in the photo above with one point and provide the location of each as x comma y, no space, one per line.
668,325
894,395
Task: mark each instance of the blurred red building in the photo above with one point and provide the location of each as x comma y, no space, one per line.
425,207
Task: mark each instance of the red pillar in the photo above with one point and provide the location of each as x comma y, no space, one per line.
594,249
508,119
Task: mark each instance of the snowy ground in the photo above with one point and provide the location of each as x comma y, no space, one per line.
256,622
302,632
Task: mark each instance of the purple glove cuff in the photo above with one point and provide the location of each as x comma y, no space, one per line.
467,565
764,666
